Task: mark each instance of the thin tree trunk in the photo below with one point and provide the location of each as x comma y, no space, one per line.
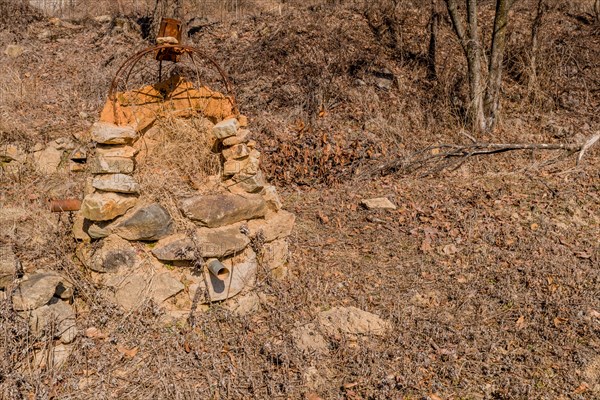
434,24
474,67
492,99
535,29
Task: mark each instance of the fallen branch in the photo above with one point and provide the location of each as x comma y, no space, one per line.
441,152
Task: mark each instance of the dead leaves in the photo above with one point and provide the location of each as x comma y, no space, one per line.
129,353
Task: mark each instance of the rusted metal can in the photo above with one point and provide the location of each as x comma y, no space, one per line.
169,27
62,205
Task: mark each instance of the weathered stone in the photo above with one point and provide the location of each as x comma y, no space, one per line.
223,209
36,290
272,198
79,227
166,40
107,133
79,154
274,256
244,305
48,160
147,222
241,137
119,183
309,340
116,151
132,290
177,247
275,226
249,183
111,165
52,358
236,152
378,203
163,287
352,321
226,128
221,242
9,153
114,253
232,167
98,229
104,206
76,166
8,266
14,50
57,317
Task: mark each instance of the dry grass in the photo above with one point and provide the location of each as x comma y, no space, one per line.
488,273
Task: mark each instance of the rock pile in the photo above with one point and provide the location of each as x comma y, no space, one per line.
138,251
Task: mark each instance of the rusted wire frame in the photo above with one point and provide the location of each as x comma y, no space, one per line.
130,63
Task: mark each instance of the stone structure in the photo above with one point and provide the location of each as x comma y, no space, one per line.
137,250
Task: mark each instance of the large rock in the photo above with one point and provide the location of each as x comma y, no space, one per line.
148,222
221,242
107,133
112,254
52,358
57,317
226,128
177,247
111,165
8,266
119,183
223,209
36,290
276,226
352,321
104,206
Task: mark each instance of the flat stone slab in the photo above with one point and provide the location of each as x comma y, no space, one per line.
107,133
104,206
116,151
118,183
221,242
111,165
177,247
223,209
381,203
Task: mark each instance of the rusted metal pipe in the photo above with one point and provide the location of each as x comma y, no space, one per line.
219,271
62,205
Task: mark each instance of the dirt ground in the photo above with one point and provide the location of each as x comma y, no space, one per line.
488,272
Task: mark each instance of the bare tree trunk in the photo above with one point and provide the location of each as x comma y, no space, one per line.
492,98
535,29
434,25
469,41
474,62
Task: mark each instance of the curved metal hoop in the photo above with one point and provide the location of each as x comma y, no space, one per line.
124,71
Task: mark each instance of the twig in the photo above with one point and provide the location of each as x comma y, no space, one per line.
444,151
